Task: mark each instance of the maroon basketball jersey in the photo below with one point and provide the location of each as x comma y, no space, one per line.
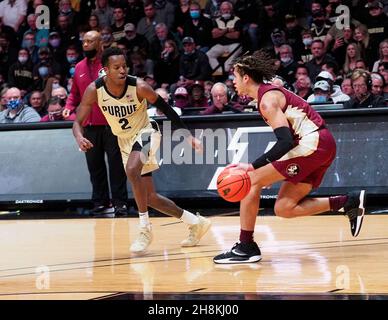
302,118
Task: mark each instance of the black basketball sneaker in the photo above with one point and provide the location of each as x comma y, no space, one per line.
354,208
240,253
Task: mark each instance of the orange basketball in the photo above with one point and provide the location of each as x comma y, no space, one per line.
233,185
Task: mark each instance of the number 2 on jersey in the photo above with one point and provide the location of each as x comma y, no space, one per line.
124,124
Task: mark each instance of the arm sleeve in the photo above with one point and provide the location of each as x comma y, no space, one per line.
170,113
284,144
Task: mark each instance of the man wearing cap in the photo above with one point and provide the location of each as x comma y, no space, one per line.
193,64
377,22
181,98
321,91
133,41
335,92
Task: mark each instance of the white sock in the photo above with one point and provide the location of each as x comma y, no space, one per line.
144,219
189,218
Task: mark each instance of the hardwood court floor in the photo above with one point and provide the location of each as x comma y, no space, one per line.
89,258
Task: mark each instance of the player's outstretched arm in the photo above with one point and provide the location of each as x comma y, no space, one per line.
144,91
84,109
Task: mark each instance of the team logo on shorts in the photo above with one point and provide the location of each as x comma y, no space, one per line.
292,170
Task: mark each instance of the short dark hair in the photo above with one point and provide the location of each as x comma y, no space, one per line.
56,100
112,51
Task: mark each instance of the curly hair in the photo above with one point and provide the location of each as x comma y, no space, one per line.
259,66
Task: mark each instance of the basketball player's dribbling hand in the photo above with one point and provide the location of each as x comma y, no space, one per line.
241,166
84,144
195,144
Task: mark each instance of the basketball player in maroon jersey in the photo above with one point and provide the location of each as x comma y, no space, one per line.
304,150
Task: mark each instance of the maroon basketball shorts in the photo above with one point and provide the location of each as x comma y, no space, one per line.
308,161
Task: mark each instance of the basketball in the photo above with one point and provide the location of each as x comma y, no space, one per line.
233,185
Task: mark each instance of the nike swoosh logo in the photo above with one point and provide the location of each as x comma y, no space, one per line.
238,253
81,75
104,100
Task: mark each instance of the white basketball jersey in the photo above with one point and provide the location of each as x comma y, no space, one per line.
126,115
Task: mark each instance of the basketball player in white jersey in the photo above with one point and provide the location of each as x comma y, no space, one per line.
123,101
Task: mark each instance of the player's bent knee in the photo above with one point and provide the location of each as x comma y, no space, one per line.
133,173
283,211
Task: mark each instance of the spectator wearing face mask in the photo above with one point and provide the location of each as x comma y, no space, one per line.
57,49
107,39
55,110
45,68
288,65
307,40
20,73
335,92
198,27
17,111
321,94
72,58
278,38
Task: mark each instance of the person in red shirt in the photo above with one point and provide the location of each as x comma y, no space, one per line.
99,133
304,150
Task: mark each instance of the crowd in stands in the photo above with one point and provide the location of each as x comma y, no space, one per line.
185,49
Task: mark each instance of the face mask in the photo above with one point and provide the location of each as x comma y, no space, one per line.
26,44
71,71
55,116
71,59
43,71
22,59
90,54
194,14
320,99
285,60
13,104
105,37
55,42
307,41
55,85
226,16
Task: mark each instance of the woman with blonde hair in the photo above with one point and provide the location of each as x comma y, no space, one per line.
352,56
383,52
